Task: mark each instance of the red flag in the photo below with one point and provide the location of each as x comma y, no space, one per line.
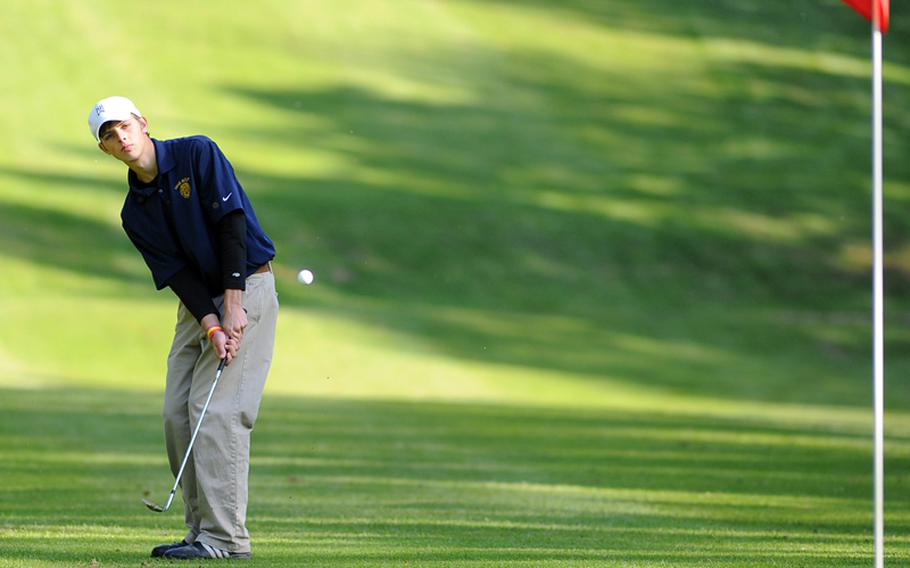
865,8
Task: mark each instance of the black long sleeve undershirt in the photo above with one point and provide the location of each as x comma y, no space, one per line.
232,245
188,284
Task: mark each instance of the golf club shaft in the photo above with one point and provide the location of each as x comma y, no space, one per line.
189,448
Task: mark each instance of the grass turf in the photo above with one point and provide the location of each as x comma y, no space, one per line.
352,482
591,280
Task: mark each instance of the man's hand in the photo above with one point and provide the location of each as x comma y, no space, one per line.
234,321
222,344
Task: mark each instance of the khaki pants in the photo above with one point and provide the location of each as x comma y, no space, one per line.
215,479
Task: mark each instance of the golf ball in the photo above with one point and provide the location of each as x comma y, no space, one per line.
305,276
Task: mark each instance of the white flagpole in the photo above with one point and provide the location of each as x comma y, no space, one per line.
878,291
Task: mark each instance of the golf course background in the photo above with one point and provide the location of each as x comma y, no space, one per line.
592,279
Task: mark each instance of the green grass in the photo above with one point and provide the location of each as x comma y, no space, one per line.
354,482
592,279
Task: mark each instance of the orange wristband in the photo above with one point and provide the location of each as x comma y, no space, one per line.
212,330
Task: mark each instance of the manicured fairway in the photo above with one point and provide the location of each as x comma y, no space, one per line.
592,280
359,483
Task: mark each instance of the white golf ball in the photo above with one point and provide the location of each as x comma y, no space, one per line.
305,276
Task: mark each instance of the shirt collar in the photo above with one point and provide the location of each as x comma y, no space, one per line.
165,160
164,156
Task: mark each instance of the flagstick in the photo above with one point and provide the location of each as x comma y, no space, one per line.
878,294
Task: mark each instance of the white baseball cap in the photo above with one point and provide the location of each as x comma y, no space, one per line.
111,108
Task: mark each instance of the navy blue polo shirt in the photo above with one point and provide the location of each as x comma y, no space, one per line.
172,220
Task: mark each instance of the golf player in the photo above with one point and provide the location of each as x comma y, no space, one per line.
192,222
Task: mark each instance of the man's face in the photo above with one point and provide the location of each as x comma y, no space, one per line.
125,140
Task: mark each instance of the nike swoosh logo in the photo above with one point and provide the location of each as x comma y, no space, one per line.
228,196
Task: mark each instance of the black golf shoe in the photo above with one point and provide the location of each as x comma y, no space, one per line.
162,548
200,551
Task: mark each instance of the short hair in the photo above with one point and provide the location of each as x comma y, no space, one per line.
110,124
107,126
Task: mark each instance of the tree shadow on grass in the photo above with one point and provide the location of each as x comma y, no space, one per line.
60,240
668,229
800,24
585,195
388,481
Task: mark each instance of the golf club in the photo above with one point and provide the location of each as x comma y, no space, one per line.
158,508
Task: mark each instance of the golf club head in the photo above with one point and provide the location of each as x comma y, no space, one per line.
153,506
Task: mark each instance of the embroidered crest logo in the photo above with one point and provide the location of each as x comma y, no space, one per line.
183,186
